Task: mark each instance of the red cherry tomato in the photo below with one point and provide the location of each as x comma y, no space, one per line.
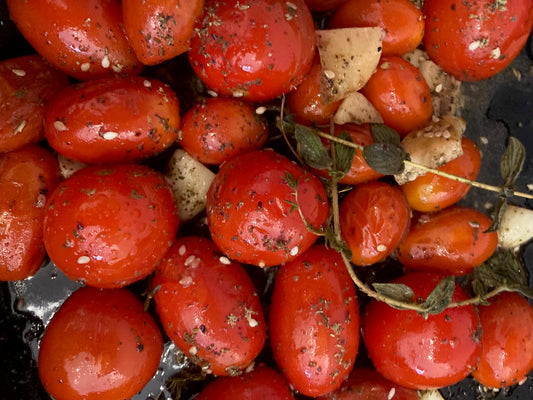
314,321
159,30
251,208
450,241
262,383
209,306
401,20
84,39
374,217
422,353
323,5
219,128
506,342
27,177
400,94
99,345
432,192
491,35
258,50
113,120
26,85
108,226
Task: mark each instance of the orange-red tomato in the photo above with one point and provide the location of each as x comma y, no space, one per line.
27,178
506,342
374,217
26,85
84,39
99,345
432,192
218,128
401,21
323,5
159,30
314,321
113,120
450,241
400,94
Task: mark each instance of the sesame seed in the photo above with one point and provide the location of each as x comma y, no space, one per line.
193,350
110,135
438,88
196,262
391,394
105,62
238,93
381,247
85,67
20,127
189,260
117,68
185,281
261,264
83,260
147,83
530,186
224,260
496,53
291,5
484,140
60,126
182,250
294,251
212,93
252,322
260,110
18,72
329,74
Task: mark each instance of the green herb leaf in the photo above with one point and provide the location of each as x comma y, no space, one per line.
291,180
441,296
344,154
498,215
385,158
384,134
338,245
311,148
395,291
512,161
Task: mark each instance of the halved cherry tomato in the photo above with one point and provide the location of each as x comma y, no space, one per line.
314,321
99,345
209,306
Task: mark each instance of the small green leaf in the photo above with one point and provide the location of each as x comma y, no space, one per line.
344,154
498,215
385,158
441,296
294,206
512,161
291,180
311,148
339,246
395,291
384,134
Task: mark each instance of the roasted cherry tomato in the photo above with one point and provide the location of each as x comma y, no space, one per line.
84,39
422,353
27,178
506,342
401,21
218,128
254,204
113,120
99,345
26,85
108,226
314,321
375,217
432,192
400,94
491,34
450,241
258,50
159,30
209,306
323,5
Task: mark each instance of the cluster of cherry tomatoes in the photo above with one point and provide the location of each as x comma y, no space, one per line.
87,100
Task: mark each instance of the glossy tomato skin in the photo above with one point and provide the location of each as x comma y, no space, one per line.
400,94
218,128
113,120
490,35
375,217
314,321
108,226
422,353
250,210
209,306
27,178
159,30
100,344
263,383
451,241
401,21
431,192
85,39
262,50
506,342
26,85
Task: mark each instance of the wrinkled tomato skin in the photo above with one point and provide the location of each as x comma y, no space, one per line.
26,85
108,226
314,321
261,51
27,178
85,40
250,208
159,30
375,217
422,353
99,345
451,241
490,37
218,128
113,120
401,21
506,342
431,192
263,383
209,307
